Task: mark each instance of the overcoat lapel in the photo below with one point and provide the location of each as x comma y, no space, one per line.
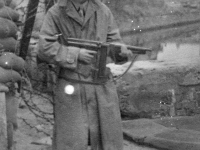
91,9
72,13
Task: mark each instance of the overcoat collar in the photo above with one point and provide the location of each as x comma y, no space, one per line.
93,5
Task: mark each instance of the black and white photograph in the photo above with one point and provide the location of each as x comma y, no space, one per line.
99,74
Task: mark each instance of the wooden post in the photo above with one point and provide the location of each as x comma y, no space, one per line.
27,31
3,118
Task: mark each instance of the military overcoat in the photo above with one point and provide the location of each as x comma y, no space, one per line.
91,114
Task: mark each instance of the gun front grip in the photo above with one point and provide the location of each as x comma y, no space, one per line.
114,53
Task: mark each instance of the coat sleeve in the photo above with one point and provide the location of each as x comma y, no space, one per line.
49,48
113,34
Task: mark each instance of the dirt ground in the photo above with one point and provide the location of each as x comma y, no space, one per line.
28,137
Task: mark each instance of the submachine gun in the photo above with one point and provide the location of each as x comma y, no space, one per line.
103,50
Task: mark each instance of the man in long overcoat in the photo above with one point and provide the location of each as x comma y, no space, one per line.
91,115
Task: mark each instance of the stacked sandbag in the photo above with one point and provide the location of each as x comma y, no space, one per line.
10,67
8,28
10,64
9,13
12,3
2,4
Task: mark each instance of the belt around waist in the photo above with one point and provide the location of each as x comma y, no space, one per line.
81,81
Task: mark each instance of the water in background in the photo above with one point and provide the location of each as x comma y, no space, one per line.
179,52
179,44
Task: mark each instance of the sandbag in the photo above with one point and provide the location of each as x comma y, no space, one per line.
9,44
7,2
12,4
9,75
7,28
11,61
1,48
2,4
9,13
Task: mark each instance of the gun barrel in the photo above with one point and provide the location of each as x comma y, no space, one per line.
138,50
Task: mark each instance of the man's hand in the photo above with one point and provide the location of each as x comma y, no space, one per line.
86,55
125,52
